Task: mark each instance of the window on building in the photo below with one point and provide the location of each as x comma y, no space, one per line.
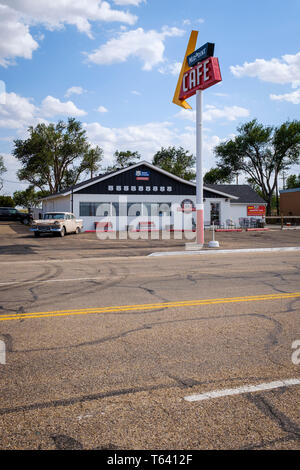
92,209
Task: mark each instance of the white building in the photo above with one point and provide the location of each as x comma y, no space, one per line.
142,194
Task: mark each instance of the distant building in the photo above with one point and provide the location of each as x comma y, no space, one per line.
290,201
142,191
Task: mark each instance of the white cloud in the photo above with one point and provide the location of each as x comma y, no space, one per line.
11,183
53,107
293,97
148,46
210,113
134,3
135,92
286,70
74,90
173,69
220,94
56,13
148,139
2,92
16,112
102,109
15,38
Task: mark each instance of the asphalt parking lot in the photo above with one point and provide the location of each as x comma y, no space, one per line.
106,348
16,240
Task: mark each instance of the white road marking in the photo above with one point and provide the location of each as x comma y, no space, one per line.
244,389
213,252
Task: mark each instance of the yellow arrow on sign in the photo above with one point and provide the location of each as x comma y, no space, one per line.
184,68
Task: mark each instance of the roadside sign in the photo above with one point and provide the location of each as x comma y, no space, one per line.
200,77
201,54
256,209
199,70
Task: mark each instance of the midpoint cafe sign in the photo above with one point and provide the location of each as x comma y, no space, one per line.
200,70
200,77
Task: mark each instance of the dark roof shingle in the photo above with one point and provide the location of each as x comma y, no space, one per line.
243,191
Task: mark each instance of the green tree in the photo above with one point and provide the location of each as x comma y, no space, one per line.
218,176
55,155
29,197
293,181
177,161
91,164
123,159
262,152
6,201
2,171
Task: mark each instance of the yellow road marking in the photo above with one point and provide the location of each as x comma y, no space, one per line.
153,306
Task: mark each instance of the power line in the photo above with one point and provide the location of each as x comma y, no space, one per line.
14,182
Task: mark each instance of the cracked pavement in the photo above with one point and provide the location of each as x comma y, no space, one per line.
117,380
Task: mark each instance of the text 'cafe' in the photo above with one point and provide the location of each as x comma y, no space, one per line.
143,195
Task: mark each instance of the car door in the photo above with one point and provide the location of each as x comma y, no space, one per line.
74,223
70,223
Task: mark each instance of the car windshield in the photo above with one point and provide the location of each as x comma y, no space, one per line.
54,216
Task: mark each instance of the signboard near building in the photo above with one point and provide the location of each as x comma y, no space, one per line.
256,210
142,175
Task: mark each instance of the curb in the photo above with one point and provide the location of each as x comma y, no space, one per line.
214,252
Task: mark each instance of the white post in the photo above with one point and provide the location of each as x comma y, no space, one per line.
199,175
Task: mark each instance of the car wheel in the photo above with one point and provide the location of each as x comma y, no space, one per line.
77,231
25,221
37,234
63,232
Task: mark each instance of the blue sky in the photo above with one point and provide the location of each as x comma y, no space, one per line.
114,66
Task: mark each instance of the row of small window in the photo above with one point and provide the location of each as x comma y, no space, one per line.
131,209
155,189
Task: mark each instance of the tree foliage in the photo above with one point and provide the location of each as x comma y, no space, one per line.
218,176
293,181
2,171
6,201
177,161
55,155
29,197
123,159
261,152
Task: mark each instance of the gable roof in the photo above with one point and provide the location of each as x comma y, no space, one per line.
214,188
243,192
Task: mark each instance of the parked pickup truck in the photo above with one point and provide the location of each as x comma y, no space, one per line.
59,223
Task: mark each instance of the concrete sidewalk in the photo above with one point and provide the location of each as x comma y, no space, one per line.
214,252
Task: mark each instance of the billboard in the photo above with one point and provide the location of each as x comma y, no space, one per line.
256,209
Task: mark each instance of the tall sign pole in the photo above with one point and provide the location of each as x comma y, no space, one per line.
199,171
200,70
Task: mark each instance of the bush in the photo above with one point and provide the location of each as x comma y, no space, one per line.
6,201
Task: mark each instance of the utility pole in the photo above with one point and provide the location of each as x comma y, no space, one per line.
283,179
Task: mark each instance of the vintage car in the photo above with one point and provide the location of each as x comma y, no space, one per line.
59,223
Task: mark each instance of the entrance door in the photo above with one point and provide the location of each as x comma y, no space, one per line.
215,213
